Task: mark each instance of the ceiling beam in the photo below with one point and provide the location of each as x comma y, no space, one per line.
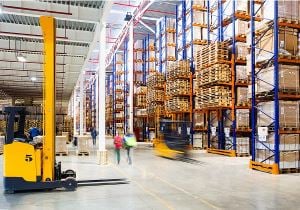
59,11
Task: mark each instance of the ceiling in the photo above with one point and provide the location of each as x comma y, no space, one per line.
143,28
20,33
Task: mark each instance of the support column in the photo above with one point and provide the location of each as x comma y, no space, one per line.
102,152
81,105
130,76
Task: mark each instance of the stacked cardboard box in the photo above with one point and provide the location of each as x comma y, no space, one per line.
288,114
155,93
178,86
1,143
84,143
242,145
242,119
61,145
288,79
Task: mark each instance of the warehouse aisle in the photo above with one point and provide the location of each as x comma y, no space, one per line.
158,183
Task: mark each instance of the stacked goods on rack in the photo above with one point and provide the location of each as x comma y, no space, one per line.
1,144
119,94
242,119
140,101
213,77
212,97
196,22
108,108
178,88
283,112
166,42
155,93
150,57
138,60
242,97
242,146
288,114
288,80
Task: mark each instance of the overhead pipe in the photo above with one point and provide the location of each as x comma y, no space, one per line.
161,12
125,5
37,51
32,62
25,34
37,10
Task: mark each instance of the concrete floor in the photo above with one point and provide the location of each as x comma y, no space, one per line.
157,183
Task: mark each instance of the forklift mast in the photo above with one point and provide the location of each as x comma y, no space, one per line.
49,33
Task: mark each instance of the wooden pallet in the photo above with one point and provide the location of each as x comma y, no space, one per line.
83,153
289,170
242,154
61,154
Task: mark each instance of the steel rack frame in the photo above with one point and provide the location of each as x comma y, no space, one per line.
275,60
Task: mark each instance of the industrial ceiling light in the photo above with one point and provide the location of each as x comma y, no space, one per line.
33,79
128,16
21,58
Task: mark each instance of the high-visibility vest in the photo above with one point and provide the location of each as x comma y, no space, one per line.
130,141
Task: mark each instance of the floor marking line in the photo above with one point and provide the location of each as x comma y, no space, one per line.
165,203
181,189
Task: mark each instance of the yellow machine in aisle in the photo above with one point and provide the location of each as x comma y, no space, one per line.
172,139
31,165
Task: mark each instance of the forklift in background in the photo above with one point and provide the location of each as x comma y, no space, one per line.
172,139
30,165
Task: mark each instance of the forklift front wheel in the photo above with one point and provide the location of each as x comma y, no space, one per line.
70,184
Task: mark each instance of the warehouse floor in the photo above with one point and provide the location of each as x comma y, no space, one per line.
216,182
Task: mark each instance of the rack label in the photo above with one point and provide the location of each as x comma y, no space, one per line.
262,133
227,132
213,131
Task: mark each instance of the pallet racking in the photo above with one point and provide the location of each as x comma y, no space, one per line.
275,144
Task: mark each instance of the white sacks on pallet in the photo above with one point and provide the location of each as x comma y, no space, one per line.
288,114
288,159
241,28
83,144
61,144
288,142
288,79
287,9
242,145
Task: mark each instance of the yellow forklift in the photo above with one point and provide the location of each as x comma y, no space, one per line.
172,139
31,165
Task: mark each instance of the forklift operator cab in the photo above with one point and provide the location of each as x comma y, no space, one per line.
26,155
18,150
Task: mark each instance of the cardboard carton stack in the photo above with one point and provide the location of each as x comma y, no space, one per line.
288,89
155,93
1,144
178,87
83,146
61,145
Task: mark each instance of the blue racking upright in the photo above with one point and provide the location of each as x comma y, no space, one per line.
192,34
114,96
140,114
165,42
119,93
220,136
126,86
108,103
275,64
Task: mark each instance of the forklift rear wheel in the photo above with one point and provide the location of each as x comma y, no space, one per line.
69,173
70,184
